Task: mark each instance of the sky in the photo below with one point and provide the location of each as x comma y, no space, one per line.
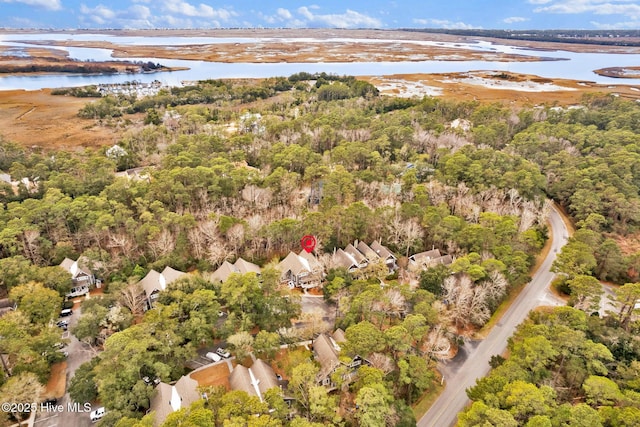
385,14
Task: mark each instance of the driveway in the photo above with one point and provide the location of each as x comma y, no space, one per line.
464,373
66,412
316,303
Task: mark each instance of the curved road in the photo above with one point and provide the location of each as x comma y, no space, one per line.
444,411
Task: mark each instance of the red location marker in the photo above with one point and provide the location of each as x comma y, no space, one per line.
308,243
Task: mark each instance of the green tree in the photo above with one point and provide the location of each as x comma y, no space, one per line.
241,344
267,344
21,389
373,405
363,339
480,414
575,258
82,386
40,304
301,381
601,391
586,292
416,375
627,297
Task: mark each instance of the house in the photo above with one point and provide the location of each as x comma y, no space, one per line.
169,398
155,282
428,259
344,260
301,270
135,174
358,256
385,254
255,381
326,350
227,269
245,267
82,276
369,253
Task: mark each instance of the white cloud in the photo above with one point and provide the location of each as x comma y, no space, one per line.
282,16
349,19
99,14
136,16
46,4
616,25
597,7
284,13
140,12
514,19
444,23
200,11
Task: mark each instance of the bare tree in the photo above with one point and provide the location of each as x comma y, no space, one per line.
467,303
312,323
132,297
437,343
382,362
163,244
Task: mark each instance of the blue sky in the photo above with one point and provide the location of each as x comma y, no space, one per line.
488,14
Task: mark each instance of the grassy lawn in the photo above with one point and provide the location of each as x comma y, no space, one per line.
426,400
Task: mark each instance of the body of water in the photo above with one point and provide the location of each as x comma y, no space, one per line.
559,64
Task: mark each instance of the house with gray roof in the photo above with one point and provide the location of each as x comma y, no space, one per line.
301,270
256,380
369,253
169,398
82,275
241,266
344,260
385,254
154,282
424,260
358,256
326,350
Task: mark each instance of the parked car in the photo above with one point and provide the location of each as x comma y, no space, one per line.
66,312
213,356
223,352
63,324
97,414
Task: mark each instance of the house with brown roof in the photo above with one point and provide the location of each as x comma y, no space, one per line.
82,275
169,398
428,259
256,380
301,270
153,283
326,350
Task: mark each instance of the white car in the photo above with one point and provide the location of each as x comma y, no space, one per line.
224,353
213,356
97,414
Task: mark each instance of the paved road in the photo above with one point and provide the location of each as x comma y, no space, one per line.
66,413
444,411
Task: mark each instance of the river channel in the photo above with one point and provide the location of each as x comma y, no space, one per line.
557,64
